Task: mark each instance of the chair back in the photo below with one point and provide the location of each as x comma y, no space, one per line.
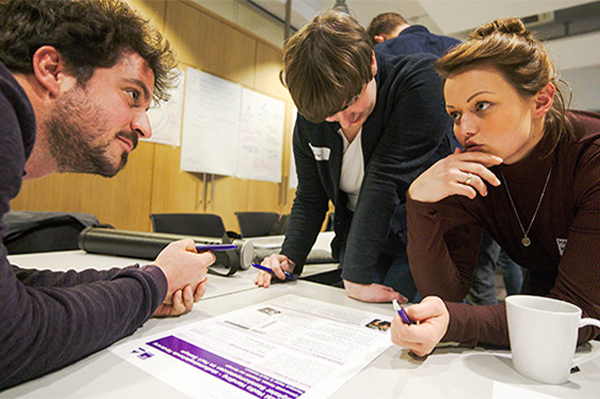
195,224
257,224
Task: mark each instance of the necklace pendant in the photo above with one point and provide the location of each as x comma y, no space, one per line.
526,241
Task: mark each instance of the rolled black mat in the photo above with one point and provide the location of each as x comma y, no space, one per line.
145,245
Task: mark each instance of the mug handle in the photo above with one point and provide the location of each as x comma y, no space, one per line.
588,356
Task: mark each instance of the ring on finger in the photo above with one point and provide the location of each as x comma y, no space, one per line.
469,177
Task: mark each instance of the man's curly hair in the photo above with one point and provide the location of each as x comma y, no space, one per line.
89,34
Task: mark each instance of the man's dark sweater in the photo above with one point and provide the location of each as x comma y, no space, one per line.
48,319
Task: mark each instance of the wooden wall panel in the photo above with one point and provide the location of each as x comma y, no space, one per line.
230,195
207,43
173,190
154,10
268,66
121,201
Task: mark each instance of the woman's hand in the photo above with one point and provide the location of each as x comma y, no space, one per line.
462,173
432,319
278,263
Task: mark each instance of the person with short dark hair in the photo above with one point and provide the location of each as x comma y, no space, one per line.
529,174
76,80
391,34
368,124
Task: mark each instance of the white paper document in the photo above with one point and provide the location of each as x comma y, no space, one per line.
288,347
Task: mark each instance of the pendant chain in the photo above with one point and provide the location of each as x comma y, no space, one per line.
525,240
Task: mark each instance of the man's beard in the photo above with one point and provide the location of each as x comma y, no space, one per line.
72,127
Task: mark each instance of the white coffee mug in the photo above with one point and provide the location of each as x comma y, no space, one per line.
543,337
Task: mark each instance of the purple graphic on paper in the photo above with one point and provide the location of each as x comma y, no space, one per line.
142,353
251,381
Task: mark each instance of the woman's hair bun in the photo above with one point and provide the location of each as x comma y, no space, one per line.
508,26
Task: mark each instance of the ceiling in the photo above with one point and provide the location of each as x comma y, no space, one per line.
570,28
448,17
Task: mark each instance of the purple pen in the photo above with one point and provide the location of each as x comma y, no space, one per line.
288,275
402,313
215,247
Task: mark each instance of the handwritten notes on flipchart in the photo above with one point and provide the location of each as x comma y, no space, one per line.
211,123
229,130
261,137
165,120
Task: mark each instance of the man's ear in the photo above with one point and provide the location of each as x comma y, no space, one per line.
544,100
49,69
379,38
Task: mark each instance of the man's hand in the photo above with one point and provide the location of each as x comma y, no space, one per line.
182,301
432,319
372,292
183,266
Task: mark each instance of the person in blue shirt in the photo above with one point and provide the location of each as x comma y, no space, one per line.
391,34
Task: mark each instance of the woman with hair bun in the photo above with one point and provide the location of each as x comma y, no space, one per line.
529,174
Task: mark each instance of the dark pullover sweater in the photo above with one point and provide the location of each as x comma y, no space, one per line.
563,260
49,319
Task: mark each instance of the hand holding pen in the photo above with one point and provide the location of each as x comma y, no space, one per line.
278,265
432,320
185,272
402,313
288,275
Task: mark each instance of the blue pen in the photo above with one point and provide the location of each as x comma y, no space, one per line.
402,313
215,247
288,275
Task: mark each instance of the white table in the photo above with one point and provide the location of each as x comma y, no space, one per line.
451,372
217,286
242,280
